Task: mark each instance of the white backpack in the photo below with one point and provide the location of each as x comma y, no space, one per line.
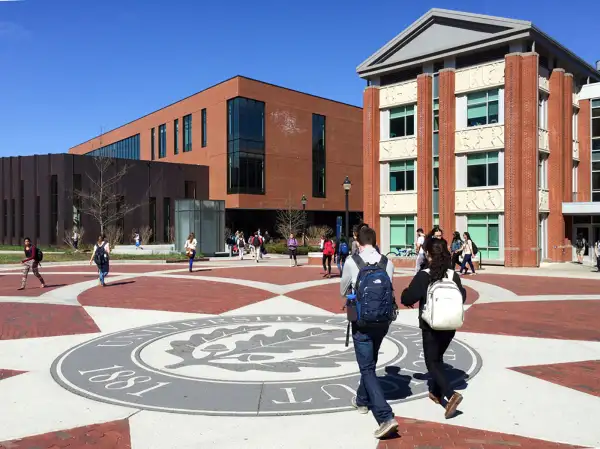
444,307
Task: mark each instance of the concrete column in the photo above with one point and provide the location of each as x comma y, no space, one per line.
424,151
371,174
446,150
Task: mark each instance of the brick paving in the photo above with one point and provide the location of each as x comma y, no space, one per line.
273,275
538,285
581,376
10,283
115,267
415,434
173,295
29,320
110,435
6,373
327,296
542,319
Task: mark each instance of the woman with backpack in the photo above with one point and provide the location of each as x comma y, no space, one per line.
456,249
292,245
241,244
328,252
33,256
190,248
468,250
343,253
101,259
435,342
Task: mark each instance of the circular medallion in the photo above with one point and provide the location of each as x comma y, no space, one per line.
247,365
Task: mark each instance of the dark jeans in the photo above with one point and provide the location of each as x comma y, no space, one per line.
455,261
192,259
370,393
327,267
435,344
293,252
341,260
598,263
467,260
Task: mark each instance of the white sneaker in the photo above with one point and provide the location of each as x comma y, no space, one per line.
361,408
386,429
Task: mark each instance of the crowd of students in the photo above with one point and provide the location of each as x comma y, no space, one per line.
464,247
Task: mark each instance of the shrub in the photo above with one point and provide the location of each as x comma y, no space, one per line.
314,234
281,248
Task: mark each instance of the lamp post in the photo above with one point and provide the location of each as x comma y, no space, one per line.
303,201
347,186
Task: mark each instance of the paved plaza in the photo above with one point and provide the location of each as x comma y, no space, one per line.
245,355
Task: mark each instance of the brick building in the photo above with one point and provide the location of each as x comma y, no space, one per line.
476,123
266,146
37,197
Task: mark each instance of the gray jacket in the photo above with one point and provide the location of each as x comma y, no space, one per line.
350,272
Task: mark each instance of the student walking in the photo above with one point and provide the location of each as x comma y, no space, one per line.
456,250
328,252
343,253
468,250
100,256
292,245
241,244
597,254
256,243
368,336
435,342
190,248
138,241
75,239
419,249
33,257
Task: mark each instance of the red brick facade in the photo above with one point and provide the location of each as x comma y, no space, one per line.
424,151
446,150
584,174
371,177
521,157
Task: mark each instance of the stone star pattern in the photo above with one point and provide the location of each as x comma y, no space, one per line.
536,333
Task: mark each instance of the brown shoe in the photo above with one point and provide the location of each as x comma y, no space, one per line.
434,398
452,405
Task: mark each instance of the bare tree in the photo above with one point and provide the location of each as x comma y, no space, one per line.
145,234
68,239
289,221
104,202
114,235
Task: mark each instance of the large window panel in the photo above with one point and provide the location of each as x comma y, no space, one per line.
162,141
402,121
402,176
402,231
245,146
595,150
482,169
187,133
482,108
176,136
485,232
319,155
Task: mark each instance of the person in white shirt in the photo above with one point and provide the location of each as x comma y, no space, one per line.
100,256
467,250
190,248
420,250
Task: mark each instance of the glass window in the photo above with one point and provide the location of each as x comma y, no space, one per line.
152,139
482,169
482,108
167,220
125,149
436,114
245,146
402,176
162,141
595,149
187,133
204,130
485,232
319,155
543,111
402,231
176,136
402,121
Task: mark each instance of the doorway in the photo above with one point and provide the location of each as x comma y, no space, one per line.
584,233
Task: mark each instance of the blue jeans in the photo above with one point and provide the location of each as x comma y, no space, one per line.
192,259
467,260
370,393
102,273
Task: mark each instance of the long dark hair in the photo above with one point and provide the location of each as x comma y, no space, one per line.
456,237
438,257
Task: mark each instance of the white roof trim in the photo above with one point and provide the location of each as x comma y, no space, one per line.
587,208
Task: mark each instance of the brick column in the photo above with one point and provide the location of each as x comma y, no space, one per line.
371,175
512,160
529,160
424,152
446,150
584,174
556,165
567,184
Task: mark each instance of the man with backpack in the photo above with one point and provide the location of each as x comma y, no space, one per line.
343,251
367,286
580,245
257,242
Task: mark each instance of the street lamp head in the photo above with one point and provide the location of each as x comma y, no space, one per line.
347,184
303,200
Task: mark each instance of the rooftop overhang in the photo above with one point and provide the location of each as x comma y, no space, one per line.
587,208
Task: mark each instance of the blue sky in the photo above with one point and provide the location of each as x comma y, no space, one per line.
69,68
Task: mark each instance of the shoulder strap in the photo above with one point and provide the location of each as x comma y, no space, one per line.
383,263
358,261
450,274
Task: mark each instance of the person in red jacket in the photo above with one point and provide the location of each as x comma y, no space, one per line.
30,263
328,252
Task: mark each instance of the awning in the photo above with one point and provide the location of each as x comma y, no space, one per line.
587,208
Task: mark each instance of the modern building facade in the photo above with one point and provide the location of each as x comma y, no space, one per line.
477,123
38,200
266,147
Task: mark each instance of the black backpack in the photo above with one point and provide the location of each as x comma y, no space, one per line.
101,257
39,255
474,248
